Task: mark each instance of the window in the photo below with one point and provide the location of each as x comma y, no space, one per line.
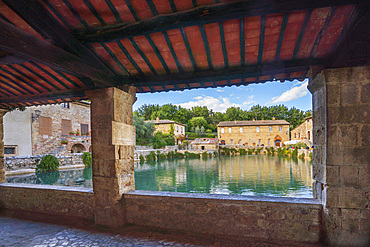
257,129
65,105
270,129
66,126
45,126
10,150
177,128
299,135
182,130
280,128
84,129
268,142
241,129
229,130
259,141
222,130
240,142
295,135
231,141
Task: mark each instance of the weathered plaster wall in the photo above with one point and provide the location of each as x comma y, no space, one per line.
257,217
17,131
341,154
55,200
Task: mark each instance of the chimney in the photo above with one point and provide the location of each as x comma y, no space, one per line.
254,119
273,118
262,120
234,121
157,120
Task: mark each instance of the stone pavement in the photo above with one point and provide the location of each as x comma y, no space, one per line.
79,232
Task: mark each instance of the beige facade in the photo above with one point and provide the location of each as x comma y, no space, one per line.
253,133
165,125
205,143
303,131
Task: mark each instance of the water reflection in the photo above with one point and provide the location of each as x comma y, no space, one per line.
245,175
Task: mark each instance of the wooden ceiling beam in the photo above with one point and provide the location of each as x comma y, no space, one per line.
227,73
200,16
27,46
34,13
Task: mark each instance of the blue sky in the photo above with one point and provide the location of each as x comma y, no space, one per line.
291,94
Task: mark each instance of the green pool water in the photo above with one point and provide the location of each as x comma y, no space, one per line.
244,175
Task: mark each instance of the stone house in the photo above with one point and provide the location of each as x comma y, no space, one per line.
166,126
253,133
303,131
48,129
205,143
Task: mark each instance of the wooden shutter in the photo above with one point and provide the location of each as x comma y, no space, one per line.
45,126
66,126
84,128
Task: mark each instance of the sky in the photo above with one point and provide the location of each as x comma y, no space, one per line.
290,94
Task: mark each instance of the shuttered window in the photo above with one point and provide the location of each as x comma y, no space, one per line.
66,126
84,129
45,126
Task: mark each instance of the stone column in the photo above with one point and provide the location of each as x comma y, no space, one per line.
2,162
341,158
113,140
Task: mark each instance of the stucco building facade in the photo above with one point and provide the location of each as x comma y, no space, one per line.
253,133
49,129
303,131
205,143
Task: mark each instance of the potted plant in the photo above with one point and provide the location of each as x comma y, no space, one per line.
63,142
77,133
71,133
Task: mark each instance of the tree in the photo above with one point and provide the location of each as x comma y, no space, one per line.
234,113
146,111
144,131
197,122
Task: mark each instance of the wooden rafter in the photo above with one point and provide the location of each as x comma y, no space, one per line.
200,16
27,46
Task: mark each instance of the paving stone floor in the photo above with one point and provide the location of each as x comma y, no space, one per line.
61,232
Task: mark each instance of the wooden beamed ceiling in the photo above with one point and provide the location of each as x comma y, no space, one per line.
54,50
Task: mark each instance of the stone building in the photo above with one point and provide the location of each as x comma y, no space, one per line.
165,125
303,131
253,133
205,143
48,129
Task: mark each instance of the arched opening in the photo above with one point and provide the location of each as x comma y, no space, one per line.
78,148
222,142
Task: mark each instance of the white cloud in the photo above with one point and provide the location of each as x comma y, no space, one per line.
292,94
216,104
220,90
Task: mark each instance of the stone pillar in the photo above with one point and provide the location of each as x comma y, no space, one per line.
2,162
341,157
113,140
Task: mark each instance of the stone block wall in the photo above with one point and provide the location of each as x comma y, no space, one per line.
54,200
2,163
252,217
342,154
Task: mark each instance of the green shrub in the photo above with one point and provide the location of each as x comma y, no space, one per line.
179,155
310,155
171,155
87,159
242,151
161,156
295,152
215,153
301,156
142,159
250,151
151,156
48,163
204,155
87,173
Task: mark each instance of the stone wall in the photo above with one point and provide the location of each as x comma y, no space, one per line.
30,162
301,132
78,113
341,157
54,200
253,217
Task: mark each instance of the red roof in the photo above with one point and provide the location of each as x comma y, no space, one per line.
52,51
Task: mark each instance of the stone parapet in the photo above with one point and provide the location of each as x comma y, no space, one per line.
291,219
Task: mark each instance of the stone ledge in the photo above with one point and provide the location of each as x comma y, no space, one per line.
47,187
26,171
241,198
